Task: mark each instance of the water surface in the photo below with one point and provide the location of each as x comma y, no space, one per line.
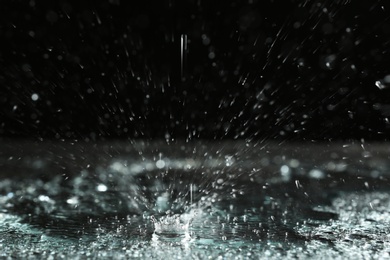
194,200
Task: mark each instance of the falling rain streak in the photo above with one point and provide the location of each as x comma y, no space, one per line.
183,56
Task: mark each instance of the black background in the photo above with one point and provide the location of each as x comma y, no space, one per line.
286,70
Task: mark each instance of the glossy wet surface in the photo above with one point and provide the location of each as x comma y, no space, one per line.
194,200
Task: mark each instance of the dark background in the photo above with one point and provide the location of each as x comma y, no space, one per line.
286,70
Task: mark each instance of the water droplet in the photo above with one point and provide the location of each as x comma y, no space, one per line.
383,84
34,97
72,200
44,198
101,188
285,170
329,61
379,84
294,163
229,160
205,40
386,79
298,184
160,164
316,174
211,55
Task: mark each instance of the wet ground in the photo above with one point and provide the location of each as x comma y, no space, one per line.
197,200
